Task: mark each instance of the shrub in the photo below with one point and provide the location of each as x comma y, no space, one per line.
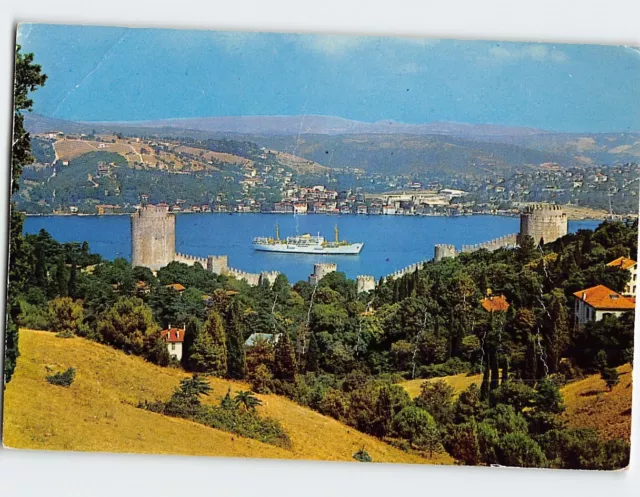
260,379
518,449
65,316
611,377
64,379
452,367
414,424
362,456
436,397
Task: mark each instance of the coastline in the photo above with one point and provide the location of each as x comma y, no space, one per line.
571,216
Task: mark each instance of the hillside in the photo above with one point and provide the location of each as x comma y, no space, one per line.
98,412
588,402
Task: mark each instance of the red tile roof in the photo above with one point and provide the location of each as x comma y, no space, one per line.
497,303
177,287
173,335
623,263
601,297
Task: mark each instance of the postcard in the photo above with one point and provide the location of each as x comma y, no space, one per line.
322,247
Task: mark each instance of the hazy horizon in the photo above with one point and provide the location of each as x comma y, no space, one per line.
111,74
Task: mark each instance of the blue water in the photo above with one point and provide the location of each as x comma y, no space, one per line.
390,242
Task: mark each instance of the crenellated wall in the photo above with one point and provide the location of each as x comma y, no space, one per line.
191,260
441,250
507,241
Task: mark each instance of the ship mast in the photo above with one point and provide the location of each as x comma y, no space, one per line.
277,233
335,230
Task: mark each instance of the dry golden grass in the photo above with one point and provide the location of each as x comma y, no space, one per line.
591,405
459,382
98,412
211,155
70,149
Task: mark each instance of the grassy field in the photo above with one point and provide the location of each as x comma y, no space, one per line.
98,412
459,382
591,405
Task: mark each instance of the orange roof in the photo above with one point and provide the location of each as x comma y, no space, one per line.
623,263
173,335
601,297
496,303
176,286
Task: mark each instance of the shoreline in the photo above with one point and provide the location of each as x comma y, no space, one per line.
569,217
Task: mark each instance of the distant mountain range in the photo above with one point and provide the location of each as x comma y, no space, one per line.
386,146
294,125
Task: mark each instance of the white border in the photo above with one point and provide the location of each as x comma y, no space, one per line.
70,474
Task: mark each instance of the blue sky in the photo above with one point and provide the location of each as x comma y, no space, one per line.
124,74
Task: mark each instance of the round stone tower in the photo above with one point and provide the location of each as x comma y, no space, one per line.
153,237
365,283
440,251
543,222
320,270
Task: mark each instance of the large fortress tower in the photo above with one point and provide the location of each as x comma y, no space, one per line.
543,222
153,237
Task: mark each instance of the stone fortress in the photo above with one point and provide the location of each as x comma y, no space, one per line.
153,245
544,223
153,238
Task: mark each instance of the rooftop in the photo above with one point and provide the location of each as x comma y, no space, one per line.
495,303
623,263
601,297
173,335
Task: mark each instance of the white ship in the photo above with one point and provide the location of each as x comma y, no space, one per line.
306,244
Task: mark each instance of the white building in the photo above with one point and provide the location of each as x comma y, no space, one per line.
593,304
174,337
631,266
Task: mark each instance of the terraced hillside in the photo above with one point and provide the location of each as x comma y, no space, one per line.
98,413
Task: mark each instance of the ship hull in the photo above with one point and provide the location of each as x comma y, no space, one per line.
283,248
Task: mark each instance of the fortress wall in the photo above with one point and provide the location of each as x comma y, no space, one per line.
269,276
191,260
218,264
507,241
407,270
252,279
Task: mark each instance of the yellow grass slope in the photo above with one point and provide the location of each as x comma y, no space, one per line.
98,412
458,382
589,404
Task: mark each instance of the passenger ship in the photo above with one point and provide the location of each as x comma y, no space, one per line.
306,244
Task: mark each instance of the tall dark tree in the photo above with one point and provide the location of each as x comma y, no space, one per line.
285,358
28,77
313,354
236,355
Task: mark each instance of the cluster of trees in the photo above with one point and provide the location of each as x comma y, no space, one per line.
236,415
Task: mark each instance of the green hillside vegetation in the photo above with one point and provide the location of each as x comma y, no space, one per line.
342,362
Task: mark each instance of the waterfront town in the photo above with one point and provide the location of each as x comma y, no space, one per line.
119,174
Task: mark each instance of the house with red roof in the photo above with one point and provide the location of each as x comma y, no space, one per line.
174,338
593,304
631,266
494,303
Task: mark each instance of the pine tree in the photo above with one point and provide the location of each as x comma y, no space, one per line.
313,355
236,356
285,359
27,78
213,328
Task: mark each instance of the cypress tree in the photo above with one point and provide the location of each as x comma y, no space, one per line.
313,354
191,331
505,370
285,358
72,285
236,356
61,288
384,413
213,328
495,370
484,388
